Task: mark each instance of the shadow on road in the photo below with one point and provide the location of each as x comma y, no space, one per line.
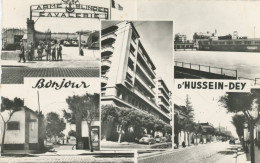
227,152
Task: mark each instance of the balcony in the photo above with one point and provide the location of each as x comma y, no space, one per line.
108,38
130,72
160,103
107,51
165,99
132,57
147,100
104,80
145,73
146,63
160,86
106,64
144,84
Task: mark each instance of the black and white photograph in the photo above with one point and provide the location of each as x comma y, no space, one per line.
136,104
127,81
212,39
52,124
54,38
216,123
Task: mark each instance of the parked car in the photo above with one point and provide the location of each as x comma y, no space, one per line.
75,43
237,141
67,43
232,141
158,139
147,139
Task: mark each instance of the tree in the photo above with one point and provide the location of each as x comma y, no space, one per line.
190,117
84,108
238,120
55,125
248,104
8,108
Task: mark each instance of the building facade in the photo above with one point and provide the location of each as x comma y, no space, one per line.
128,77
24,131
180,38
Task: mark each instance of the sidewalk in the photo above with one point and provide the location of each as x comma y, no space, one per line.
23,153
243,157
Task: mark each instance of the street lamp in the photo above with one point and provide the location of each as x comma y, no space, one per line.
245,138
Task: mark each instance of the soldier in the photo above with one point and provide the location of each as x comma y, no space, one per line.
40,51
21,55
48,51
54,53
59,49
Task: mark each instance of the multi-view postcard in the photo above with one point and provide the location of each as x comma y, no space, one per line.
130,81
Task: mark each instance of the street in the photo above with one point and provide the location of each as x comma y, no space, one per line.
132,145
218,152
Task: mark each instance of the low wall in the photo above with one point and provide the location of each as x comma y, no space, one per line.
181,72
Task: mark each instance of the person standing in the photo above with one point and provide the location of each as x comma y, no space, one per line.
59,49
48,51
40,51
21,55
54,53
81,52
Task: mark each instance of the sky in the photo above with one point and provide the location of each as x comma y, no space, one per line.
207,108
190,16
15,14
158,45
50,100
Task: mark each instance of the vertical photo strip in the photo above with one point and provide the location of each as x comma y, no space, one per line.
136,84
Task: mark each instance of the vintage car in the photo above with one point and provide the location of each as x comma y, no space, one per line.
147,139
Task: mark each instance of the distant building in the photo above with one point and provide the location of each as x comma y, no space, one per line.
25,131
11,37
180,38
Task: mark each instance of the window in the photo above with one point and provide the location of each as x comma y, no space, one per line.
230,42
238,42
13,126
247,42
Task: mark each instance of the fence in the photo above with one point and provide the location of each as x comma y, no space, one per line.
255,81
205,68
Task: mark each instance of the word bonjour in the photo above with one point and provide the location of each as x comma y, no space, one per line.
56,85
212,85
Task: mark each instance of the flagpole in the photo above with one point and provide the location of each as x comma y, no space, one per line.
110,9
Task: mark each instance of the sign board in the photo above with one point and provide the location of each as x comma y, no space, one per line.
69,9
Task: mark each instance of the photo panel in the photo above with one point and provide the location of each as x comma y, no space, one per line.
55,38
136,84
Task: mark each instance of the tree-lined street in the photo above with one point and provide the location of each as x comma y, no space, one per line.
219,152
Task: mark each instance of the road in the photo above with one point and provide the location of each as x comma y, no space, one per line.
218,152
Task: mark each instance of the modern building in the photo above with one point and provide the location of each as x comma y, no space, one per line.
24,131
180,38
128,73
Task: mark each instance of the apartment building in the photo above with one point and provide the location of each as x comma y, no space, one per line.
180,38
128,77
